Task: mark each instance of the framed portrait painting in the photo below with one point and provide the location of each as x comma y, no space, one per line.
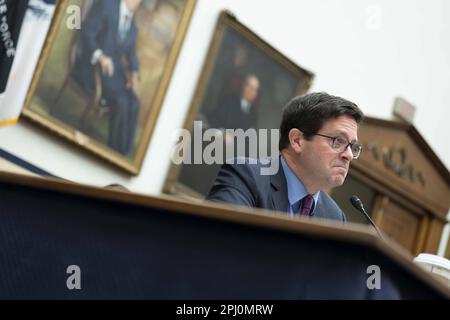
100,82
244,84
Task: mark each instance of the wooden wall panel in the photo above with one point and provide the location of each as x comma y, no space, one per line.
393,158
400,224
433,236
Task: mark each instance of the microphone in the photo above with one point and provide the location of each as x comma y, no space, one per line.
357,203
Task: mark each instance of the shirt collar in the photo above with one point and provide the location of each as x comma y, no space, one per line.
245,105
296,188
124,9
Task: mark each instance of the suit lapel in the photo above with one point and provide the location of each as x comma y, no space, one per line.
318,211
279,190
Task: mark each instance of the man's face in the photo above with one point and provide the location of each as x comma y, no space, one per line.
251,88
324,166
133,5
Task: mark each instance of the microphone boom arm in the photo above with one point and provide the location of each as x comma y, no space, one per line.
358,205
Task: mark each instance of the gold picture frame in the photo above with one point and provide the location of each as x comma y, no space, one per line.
60,100
235,53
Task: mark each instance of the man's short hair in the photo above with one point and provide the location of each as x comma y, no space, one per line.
310,112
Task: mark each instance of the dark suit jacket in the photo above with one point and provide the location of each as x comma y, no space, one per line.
242,184
100,31
229,115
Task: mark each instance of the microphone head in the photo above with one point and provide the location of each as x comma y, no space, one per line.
356,202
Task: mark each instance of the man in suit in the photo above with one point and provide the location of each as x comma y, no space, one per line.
108,39
318,135
237,110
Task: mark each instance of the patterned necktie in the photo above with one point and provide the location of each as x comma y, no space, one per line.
306,205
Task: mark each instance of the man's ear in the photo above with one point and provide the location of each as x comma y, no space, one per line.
296,140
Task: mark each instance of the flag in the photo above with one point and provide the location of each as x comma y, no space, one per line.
11,16
33,31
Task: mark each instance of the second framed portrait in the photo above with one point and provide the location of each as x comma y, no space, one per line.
244,84
104,71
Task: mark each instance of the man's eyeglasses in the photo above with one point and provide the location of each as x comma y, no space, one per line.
340,144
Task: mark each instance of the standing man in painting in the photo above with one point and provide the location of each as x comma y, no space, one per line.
108,39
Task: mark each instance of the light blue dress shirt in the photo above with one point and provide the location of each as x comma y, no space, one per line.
296,190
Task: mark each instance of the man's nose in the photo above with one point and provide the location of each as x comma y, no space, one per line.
347,154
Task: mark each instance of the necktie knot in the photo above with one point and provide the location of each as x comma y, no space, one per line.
307,203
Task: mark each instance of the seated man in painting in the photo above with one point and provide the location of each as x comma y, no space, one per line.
108,39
